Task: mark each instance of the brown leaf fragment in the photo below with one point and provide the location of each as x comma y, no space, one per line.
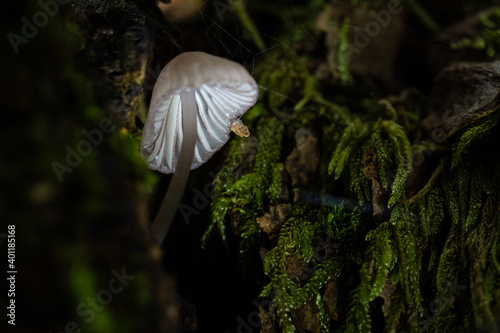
297,269
386,294
306,318
271,221
379,196
331,299
267,317
302,163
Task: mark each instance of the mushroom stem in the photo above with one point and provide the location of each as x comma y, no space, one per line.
165,216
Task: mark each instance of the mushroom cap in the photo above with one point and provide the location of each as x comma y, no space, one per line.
223,89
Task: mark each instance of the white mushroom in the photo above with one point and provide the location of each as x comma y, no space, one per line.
195,102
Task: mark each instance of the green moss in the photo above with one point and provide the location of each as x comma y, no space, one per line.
420,12
487,40
127,146
80,275
252,193
464,195
472,135
240,8
296,238
434,257
392,149
280,72
380,261
340,68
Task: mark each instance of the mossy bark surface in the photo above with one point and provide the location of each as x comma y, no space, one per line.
73,182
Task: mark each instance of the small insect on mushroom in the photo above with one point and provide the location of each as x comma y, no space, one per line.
197,99
240,129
